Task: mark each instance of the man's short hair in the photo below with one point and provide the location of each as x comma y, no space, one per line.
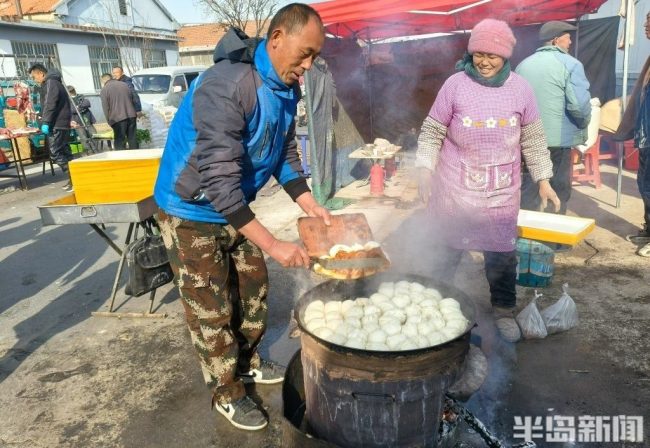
292,18
118,67
106,77
37,67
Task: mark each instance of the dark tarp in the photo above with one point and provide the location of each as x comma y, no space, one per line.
321,101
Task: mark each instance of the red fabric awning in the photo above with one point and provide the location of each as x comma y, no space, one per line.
376,19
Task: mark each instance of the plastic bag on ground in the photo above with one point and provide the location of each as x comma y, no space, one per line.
531,322
562,315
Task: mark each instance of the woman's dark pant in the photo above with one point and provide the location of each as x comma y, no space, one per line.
500,271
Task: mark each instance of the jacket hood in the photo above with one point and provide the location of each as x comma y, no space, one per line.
236,46
54,74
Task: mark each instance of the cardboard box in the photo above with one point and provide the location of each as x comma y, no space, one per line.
115,176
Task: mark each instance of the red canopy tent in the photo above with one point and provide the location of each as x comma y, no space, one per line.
377,19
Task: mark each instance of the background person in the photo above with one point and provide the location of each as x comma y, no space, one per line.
55,116
120,114
562,92
636,124
84,125
118,74
483,120
235,129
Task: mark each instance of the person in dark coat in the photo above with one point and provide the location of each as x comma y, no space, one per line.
636,125
55,115
84,124
120,114
119,75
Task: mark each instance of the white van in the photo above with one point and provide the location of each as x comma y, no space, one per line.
165,86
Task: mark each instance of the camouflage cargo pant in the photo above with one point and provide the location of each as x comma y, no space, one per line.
223,283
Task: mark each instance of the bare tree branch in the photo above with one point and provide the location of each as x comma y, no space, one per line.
239,13
135,47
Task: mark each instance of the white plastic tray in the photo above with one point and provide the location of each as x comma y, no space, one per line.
553,228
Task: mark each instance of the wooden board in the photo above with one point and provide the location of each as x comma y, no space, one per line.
14,120
345,229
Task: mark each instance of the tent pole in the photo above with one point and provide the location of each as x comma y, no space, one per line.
626,64
370,96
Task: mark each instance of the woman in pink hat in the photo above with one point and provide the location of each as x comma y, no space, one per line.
483,120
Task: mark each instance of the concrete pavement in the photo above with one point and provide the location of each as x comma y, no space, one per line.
70,380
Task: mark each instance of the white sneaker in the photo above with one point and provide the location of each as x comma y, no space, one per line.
267,373
243,414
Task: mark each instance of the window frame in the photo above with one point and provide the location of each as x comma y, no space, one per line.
25,59
149,61
102,60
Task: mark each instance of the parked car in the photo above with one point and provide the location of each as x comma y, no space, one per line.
165,86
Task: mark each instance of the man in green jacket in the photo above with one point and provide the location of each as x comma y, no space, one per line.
562,92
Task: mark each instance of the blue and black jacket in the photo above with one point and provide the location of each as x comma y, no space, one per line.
233,130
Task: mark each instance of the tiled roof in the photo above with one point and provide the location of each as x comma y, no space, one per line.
8,7
207,34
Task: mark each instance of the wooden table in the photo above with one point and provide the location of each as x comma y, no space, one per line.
17,158
367,152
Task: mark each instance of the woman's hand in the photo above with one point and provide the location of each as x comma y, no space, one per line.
425,181
546,192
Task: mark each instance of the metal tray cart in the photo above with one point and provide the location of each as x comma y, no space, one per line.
65,210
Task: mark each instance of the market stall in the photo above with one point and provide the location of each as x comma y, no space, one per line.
373,85
114,187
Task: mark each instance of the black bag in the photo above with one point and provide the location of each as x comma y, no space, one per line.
147,264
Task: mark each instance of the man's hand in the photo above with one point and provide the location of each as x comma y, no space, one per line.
139,114
425,181
309,205
73,124
289,255
546,192
320,212
45,128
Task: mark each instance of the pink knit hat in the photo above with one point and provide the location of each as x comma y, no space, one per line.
493,37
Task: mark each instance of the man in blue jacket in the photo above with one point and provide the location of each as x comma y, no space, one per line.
562,92
234,130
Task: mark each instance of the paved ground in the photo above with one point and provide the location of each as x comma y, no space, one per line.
71,380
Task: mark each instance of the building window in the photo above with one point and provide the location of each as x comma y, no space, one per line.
154,58
122,6
102,60
28,53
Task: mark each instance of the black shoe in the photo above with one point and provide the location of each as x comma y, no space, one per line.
642,237
68,187
243,414
267,373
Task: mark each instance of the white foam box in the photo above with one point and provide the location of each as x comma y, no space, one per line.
553,228
115,176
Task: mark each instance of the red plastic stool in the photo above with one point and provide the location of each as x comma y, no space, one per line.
591,161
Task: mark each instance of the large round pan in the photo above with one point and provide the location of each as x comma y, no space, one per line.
344,290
